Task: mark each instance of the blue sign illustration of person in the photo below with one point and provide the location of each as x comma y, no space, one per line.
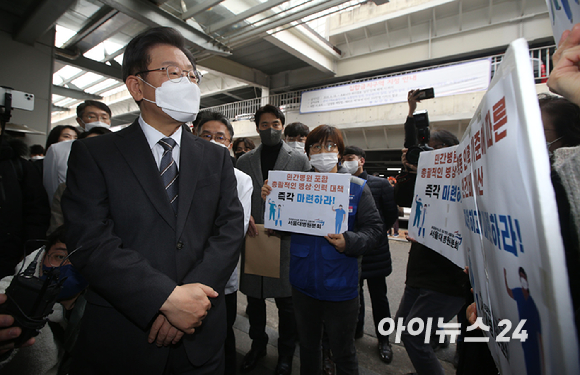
279,221
340,217
272,210
533,347
418,206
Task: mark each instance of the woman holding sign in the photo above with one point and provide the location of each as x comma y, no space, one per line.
324,271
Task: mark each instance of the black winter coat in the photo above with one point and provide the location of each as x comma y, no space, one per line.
377,261
24,209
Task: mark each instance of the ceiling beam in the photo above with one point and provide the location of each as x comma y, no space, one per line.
89,65
41,19
72,93
247,36
149,14
200,8
236,70
100,17
218,26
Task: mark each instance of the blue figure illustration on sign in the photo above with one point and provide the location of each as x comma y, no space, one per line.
278,221
272,210
533,346
567,9
418,206
340,217
420,210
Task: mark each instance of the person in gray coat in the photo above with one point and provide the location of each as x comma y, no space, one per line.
272,154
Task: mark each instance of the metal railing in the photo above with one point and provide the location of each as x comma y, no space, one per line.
290,101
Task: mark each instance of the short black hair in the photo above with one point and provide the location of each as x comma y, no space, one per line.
521,270
269,108
565,117
98,130
296,129
92,103
206,116
137,58
354,150
445,137
247,142
54,134
36,150
58,235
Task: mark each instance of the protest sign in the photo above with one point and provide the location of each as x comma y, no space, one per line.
447,80
562,16
503,223
309,203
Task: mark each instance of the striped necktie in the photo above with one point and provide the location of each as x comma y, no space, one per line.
169,172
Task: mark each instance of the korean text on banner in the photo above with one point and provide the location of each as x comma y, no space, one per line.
448,80
488,203
309,203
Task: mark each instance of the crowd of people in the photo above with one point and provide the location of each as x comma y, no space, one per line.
144,229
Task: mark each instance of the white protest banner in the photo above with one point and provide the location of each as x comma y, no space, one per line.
507,221
448,80
309,203
562,16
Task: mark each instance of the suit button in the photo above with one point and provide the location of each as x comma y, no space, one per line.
179,245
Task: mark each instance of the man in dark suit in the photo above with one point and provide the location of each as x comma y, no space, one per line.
157,218
272,154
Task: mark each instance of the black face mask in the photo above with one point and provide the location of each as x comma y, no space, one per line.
239,153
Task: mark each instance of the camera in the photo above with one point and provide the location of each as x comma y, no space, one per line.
31,299
417,136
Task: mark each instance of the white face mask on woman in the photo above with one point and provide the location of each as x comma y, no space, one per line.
179,100
324,162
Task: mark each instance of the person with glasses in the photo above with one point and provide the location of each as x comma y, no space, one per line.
214,127
46,355
90,114
157,214
324,271
272,154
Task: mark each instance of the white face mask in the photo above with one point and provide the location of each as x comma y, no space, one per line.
179,100
350,166
549,144
524,283
37,157
298,146
324,162
95,124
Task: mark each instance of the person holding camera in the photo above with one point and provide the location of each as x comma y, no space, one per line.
434,286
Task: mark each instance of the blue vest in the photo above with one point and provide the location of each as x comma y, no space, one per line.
317,269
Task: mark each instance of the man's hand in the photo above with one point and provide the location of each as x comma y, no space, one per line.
8,334
337,240
471,313
266,190
187,306
163,333
412,100
252,228
565,77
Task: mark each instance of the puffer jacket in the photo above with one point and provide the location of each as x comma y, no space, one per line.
377,261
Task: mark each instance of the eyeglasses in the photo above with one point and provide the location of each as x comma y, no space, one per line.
218,137
328,146
55,258
175,73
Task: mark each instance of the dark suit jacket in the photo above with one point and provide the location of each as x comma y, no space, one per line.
135,250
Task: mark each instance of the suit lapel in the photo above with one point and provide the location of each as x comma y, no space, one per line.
190,162
133,145
283,158
256,163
